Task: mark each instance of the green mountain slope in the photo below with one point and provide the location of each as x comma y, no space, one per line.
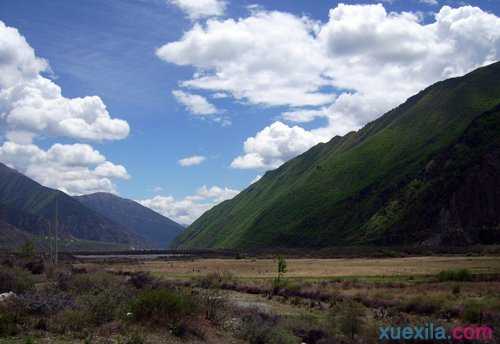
11,236
334,193
31,207
157,229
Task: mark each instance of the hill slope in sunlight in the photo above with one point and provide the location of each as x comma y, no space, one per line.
425,173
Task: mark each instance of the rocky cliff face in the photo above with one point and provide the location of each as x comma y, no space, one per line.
472,211
456,199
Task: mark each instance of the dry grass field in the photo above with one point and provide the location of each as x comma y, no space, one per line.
313,268
316,301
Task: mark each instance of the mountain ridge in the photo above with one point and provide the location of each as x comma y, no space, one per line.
156,228
31,207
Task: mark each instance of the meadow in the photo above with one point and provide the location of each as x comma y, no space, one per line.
249,300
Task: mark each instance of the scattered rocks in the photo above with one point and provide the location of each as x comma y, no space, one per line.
7,296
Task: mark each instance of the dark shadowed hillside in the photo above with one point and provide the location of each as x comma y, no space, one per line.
31,207
157,229
425,173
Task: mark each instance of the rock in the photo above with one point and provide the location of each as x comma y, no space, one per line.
7,296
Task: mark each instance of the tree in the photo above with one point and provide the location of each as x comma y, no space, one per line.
348,315
282,268
27,249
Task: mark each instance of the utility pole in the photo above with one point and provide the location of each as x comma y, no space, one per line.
56,257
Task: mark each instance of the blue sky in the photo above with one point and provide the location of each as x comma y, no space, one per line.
108,49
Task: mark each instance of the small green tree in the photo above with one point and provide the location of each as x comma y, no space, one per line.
27,249
348,317
282,268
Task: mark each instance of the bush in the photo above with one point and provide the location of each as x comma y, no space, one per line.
216,279
89,283
259,328
473,312
8,324
16,280
163,307
214,306
135,339
71,320
142,280
35,266
461,275
104,306
27,249
348,316
427,305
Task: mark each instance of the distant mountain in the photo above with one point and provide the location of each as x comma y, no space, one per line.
11,236
425,173
31,207
157,229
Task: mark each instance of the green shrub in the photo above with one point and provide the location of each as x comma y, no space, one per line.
16,280
29,340
215,279
92,283
135,338
348,317
71,320
214,306
280,335
8,324
427,305
27,249
104,306
460,275
473,312
259,328
163,307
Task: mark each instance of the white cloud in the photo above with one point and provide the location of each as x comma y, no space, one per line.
75,169
191,160
349,70
200,106
32,103
274,145
269,58
430,2
188,209
256,179
197,9
157,189
194,103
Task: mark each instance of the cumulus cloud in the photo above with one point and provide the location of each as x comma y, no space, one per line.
157,189
191,160
201,107
274,145
197,9
430,2
188,209
368,59
194,103
75,169
269,58
32,103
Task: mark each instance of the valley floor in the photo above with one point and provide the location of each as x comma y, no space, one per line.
315,268
242,301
